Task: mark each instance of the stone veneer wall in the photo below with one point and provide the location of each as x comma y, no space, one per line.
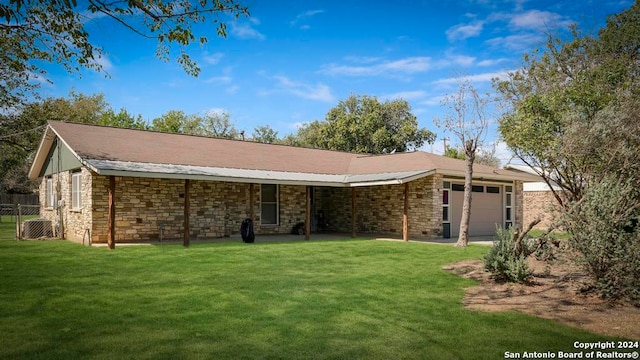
217,209
76,223
379,209
540,204
519,197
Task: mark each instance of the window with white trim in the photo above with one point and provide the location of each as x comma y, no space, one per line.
508,206
76,190
269,204
445,202
49,194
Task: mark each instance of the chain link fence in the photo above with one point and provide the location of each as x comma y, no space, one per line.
28,223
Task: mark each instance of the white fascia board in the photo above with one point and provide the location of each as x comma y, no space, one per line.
392,178
168,171
486,177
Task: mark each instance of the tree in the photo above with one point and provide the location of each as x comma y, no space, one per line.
122,119
573,112
55,31
468,121
483,156
572,107
217,124
364,125
22,131
265,134
176,121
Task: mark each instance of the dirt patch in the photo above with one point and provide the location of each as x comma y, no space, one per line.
555,292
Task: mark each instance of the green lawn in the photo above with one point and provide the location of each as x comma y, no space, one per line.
7,227
350,299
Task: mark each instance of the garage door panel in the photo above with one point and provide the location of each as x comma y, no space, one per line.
486,212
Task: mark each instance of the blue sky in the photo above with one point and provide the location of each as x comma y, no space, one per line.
292,61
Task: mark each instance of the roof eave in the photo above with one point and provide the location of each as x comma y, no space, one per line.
41,154
485,176
248,180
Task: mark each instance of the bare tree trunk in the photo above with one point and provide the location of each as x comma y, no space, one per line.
463,236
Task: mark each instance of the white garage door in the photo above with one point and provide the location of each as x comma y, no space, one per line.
486,209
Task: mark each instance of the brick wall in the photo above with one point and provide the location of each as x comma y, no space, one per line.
217,209
540,204
379,209
76,222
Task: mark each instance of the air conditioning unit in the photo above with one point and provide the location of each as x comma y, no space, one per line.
37,228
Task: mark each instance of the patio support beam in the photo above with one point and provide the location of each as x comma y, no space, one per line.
252,193
187,213
307,222
405,214
111,215
353,212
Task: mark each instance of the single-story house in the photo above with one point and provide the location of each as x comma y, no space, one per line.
538,199
107,185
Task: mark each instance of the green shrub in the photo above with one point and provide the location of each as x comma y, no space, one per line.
605,229
504,262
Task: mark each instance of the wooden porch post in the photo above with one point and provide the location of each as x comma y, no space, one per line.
307,222
353,212
187,213
405,214
252,192
111,215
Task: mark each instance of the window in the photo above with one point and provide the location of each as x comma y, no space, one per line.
508,206
49,195
493,189
445,205
269,204
477,188
457,187
76,190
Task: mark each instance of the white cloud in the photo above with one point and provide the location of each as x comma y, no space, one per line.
406,95
434,100
484,77
303,16
408,65
462,60
104,62
517,42
492,62
318,92
219,80
464,31
245,31
538,20
232,89
212,58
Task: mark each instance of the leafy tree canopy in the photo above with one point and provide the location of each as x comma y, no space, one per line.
33,32
574,110
21,131
265,134
211,124
365,125
574,106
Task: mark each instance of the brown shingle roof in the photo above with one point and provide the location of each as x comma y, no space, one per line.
112,147
108,143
